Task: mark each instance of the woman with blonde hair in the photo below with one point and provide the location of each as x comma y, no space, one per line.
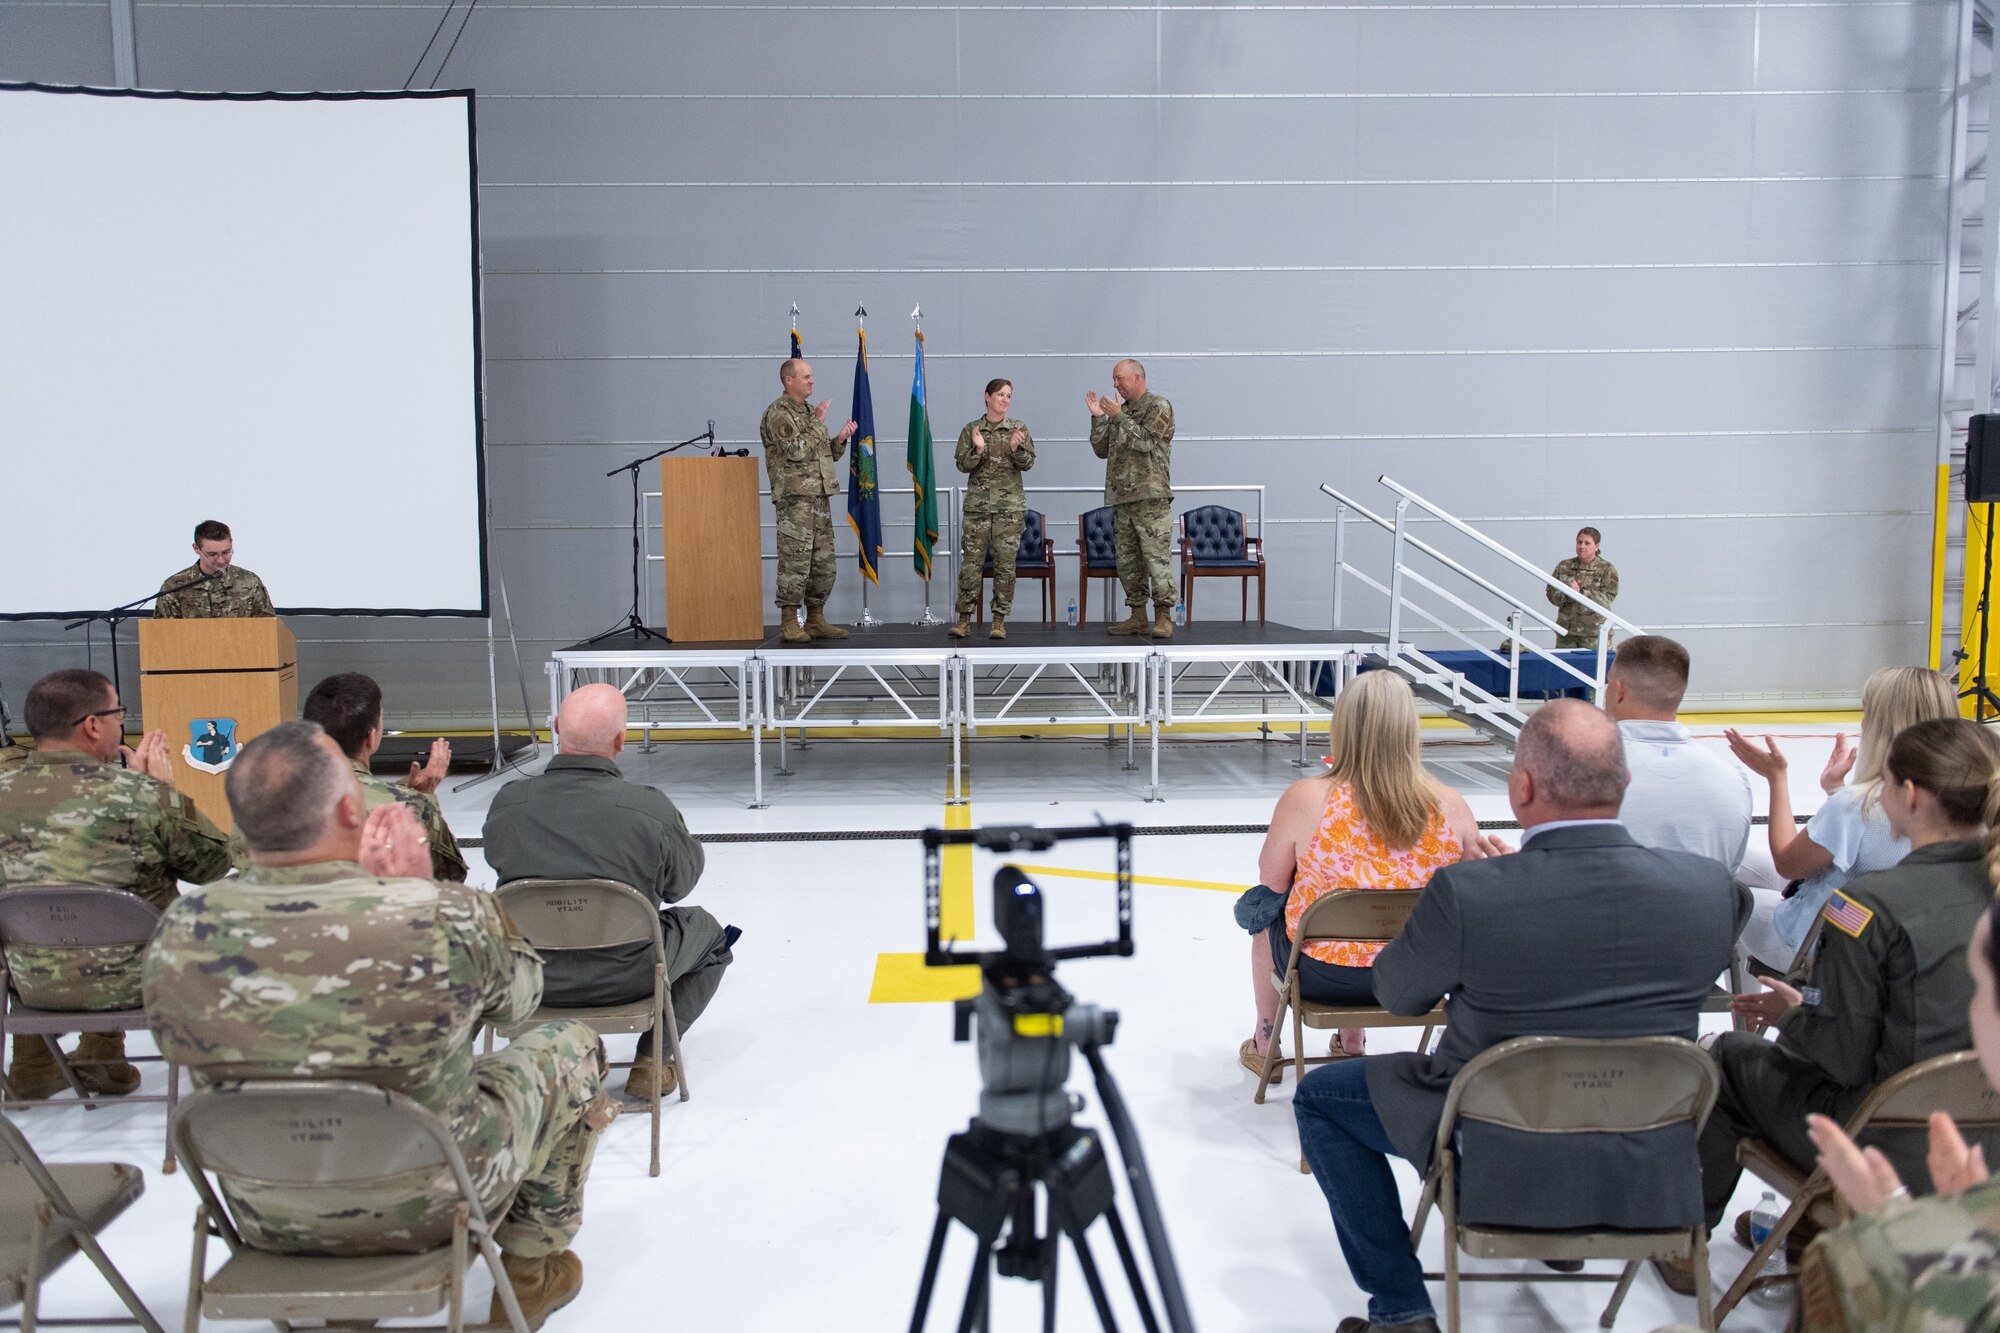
1849,835
1374,820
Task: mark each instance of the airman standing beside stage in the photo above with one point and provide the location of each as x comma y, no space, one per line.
1134,434
800,457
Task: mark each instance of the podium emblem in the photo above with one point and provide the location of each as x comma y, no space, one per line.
212,744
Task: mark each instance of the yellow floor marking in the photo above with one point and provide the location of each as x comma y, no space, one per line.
902,978
1164,882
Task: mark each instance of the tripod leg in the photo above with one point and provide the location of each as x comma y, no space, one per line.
978,1296
1131,1263
930,1273
1061,1214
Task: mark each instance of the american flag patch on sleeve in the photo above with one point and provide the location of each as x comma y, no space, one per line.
1843,913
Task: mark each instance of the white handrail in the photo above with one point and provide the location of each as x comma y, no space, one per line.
1506,554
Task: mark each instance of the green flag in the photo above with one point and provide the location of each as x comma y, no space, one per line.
923,475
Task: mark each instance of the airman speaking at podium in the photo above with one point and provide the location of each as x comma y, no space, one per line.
214,587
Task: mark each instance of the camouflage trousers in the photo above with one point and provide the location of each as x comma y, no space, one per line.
1143,533
528,1150
1580,637
97,977
1003,531
805,551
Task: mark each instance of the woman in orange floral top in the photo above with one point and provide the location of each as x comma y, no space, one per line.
1376,820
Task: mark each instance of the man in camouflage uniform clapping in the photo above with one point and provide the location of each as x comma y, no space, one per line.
1133,433
995,449
1592,575
336,956
72,813
799,457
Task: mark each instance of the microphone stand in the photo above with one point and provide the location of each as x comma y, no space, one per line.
115,617
633,625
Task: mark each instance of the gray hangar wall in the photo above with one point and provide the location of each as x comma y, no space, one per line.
1672,269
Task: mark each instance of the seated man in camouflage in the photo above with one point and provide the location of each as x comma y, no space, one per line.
349,708
72,813
336,957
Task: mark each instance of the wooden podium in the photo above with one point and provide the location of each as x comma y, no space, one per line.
240,671
714,572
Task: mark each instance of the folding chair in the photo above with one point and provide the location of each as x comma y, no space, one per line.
79,919
1363,916
1950,1083
313,1136
1562,1086
562,914
1717,1000
49,1213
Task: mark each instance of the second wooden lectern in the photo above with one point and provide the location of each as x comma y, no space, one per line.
714,572
211,685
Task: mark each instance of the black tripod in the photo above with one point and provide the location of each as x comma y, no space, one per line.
634,625
989,1184
1979,691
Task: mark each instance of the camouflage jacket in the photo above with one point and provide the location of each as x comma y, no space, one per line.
799,454
995,484
235,593
11,754
324,971
68,818
1599,582
1910,1266
1137,447
447,862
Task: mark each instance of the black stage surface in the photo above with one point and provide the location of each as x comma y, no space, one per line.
1033,634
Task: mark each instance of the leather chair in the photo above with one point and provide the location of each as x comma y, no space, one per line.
1214,545
1035,560
1096,555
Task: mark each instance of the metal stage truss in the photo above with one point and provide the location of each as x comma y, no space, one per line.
915,679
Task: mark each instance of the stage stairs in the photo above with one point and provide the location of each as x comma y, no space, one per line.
1461,613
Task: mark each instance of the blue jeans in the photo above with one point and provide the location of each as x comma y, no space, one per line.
1348,1150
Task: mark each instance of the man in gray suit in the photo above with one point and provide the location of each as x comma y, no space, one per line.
1582,933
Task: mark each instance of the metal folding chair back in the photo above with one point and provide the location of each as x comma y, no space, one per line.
1560,1086
316,1135
48,1214
562,914
1952,1083
1364,916
83,918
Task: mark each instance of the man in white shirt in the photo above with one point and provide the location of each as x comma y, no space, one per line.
1681,796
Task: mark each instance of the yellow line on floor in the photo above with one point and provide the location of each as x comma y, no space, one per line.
902,978
1161,880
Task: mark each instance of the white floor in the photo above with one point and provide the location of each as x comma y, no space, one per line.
798,1188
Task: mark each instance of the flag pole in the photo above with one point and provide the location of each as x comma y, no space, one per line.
869,620
929,619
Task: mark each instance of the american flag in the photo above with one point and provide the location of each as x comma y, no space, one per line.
1845,914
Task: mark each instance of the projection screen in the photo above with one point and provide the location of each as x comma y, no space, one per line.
258,308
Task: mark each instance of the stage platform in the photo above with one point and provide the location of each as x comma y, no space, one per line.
918,679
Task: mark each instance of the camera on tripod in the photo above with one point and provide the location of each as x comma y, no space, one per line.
1023,1139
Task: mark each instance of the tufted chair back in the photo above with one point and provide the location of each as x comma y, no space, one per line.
1031,552
1214,534
1100,546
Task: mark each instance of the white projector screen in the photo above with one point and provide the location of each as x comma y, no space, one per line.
261,309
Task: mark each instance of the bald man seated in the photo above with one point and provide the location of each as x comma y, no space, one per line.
581,819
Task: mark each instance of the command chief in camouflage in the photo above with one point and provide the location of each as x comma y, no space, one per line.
213,587
1133,433
334,957
799,456
995,450
71,814
1596,578
349,707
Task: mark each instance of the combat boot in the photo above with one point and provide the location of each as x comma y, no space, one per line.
816,625
543,1285
33,1074
645,1073
113,1078
962,626
1134,623
789,630
999,628
1163,621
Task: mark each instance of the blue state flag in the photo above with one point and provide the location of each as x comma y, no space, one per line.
864,503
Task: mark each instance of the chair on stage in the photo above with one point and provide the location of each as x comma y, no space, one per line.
47,1214
1036,560
1566,1090
1096,555
1902,1102
1214,545
84,921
